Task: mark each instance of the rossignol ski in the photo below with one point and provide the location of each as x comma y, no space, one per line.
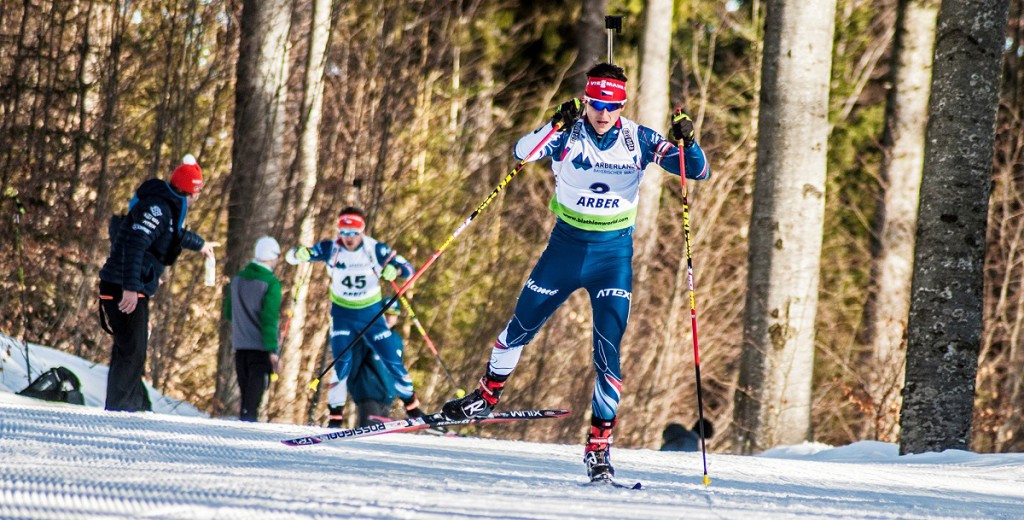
422,423
612,484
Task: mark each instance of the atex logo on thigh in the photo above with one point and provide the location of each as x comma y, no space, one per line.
621,293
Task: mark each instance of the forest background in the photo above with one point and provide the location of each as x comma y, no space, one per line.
412,109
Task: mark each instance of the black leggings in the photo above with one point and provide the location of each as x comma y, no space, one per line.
254,368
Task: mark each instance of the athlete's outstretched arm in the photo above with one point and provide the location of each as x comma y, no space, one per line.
531,140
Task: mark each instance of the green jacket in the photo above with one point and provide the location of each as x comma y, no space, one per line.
253,305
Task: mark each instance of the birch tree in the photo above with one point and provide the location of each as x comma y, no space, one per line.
774,395
305,170
895,221
652,111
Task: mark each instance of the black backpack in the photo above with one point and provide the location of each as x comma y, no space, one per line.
56,384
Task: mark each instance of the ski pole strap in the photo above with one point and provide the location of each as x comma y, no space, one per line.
102,316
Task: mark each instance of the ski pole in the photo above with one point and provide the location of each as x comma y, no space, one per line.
459,392
19,211
693,312
303,280
419,272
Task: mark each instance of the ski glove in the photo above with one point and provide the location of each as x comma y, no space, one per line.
389,273
567,113
682,127
299,254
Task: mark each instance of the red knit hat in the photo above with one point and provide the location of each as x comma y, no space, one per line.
188,178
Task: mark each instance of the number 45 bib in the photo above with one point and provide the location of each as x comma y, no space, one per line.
353,282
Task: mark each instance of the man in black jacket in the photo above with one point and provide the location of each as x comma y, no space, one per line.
142,243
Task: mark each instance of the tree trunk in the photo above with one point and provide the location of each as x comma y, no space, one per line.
885,322
591,40
652,111
774,395
256,172
108,119
944,330
306,169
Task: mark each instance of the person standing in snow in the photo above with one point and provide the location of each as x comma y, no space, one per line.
354,262
142,244
598,161
253,306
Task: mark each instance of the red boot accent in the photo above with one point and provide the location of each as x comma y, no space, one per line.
600,437
490,389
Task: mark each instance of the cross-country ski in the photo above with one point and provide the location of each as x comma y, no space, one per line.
613,484
422,423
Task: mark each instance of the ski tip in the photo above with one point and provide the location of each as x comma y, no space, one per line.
560,413
305,441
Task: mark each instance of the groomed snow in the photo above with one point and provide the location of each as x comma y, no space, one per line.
65,461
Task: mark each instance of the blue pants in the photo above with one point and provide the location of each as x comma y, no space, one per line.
601,263
346,323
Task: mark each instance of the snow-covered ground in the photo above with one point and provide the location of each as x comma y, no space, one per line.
93,377
65,461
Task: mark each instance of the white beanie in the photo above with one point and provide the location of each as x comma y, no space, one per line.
267,249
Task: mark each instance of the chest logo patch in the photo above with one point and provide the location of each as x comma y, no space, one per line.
582,163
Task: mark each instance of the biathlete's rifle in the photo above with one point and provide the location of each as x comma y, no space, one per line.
693,310
419,272
613,25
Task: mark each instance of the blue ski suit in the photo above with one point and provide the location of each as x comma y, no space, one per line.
356,298
597,182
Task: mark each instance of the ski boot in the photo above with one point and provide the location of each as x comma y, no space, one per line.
413,411
597,453
336,417
412,407
480,403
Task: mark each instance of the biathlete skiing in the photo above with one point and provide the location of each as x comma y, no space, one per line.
598,162
354,261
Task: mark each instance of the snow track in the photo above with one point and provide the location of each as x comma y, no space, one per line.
62,461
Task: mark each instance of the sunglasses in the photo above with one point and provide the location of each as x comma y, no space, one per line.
349,233
605,105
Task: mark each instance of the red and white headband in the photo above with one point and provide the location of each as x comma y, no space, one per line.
351,222
606,89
